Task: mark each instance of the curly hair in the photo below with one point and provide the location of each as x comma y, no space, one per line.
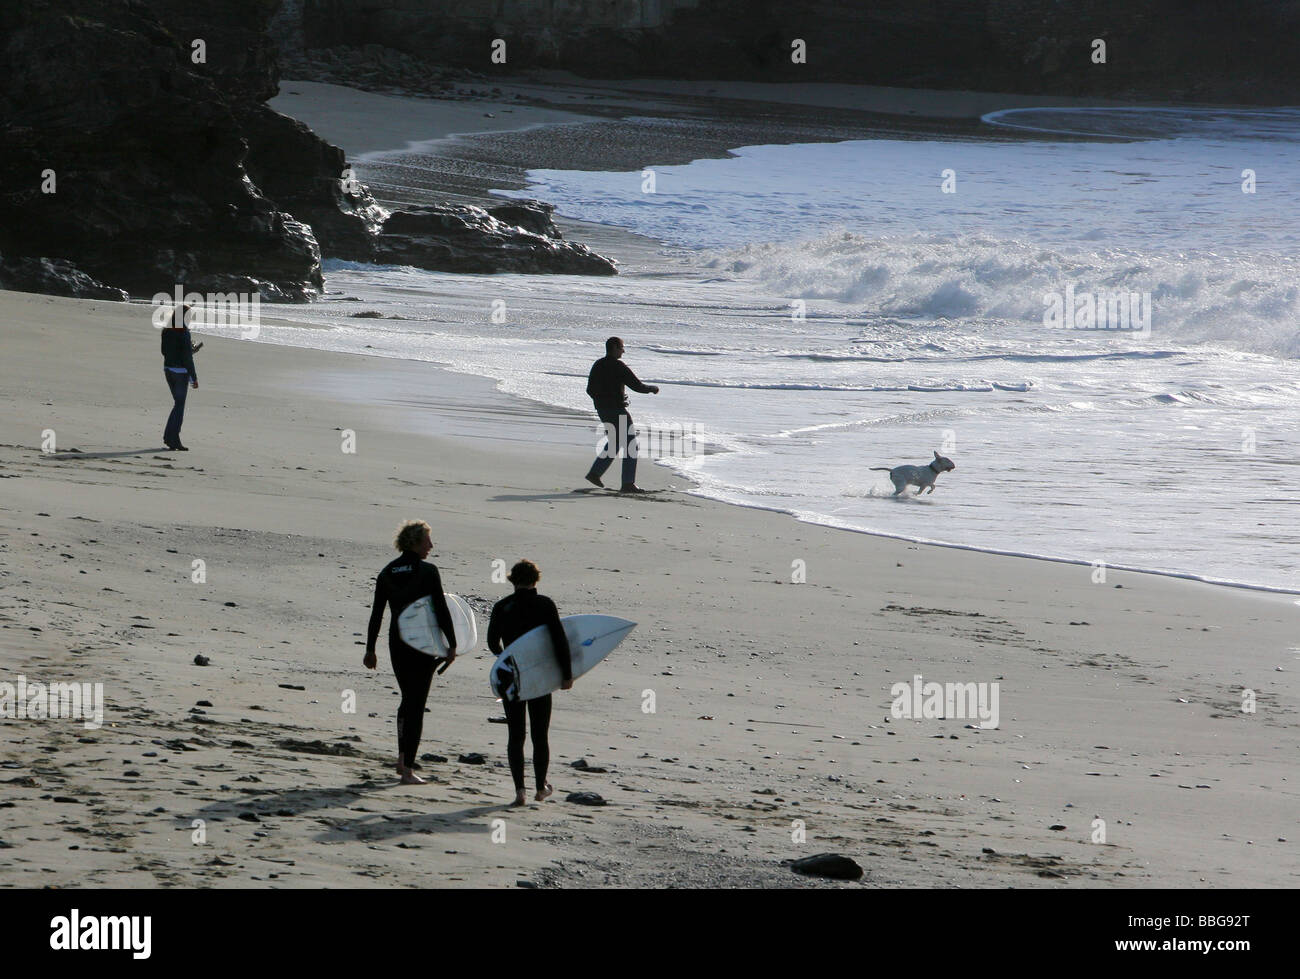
411,534
525,574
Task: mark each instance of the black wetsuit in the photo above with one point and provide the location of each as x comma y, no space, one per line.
512,617
404,580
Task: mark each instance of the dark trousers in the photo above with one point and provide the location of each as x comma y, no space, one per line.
539,714
179,384
620,436
414,672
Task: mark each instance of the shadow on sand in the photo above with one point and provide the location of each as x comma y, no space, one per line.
73,456
368,826
658,495
539,497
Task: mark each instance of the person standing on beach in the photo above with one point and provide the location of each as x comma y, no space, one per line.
605,384
403,581
512,617
178,369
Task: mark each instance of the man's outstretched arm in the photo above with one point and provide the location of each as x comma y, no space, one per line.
634,382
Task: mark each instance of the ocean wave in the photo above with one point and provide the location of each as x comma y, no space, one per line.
347,265
1152,122
976,387
1247,302
686,353
1009,356
1220,399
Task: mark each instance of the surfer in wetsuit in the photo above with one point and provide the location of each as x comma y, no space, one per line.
605,384
404,580
511,617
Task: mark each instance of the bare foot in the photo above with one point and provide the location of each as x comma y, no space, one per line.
408,777
545,793
521,799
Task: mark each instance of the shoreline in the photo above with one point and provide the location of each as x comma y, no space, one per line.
562,415
478,156
347,113
1189,576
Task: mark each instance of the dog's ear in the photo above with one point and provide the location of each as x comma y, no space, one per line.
937,456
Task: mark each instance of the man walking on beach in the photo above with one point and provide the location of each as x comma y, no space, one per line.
605,385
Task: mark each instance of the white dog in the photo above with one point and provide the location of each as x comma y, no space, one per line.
919,476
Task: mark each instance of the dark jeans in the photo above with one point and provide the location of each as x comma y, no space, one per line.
539,714
179,384
624,440
414,672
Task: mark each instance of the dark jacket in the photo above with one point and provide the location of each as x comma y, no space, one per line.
605,385
522,612
404,580
178,350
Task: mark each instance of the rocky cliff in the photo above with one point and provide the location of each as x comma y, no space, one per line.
1171,49
123,156
137,153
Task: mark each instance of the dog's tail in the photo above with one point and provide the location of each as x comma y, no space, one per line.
883,469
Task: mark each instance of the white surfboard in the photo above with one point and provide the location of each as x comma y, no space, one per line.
527,668
418,626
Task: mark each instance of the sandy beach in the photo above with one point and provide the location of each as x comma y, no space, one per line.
369,123
745,723
772,698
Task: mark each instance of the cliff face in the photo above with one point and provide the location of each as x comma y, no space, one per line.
1189,49
137,153
124,157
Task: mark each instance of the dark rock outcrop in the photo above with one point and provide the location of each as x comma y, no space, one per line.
54,277
836,866
123,155
371,67
463,238
586,799
310,178
304,174
534,216
136,149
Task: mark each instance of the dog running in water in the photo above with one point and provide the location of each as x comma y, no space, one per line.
922,477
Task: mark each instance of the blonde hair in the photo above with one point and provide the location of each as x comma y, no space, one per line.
411,534
525,574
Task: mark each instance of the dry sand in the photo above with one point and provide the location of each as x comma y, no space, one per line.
366,123
771,736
